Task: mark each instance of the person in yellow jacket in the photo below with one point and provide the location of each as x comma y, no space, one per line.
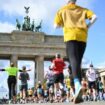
72,18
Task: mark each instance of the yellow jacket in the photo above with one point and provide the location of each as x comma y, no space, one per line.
73,20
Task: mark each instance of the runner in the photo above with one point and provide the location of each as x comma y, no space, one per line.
57,67
24,76
49,79
72,18
91,77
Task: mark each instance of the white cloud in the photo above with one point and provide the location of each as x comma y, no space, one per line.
101,65
6,27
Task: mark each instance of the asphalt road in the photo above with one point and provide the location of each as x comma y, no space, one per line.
70,103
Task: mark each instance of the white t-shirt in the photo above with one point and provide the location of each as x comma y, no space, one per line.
91,75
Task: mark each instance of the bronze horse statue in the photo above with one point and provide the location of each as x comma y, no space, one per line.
38,28
18,25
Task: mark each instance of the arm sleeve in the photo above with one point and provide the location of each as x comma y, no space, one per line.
58,19
7,69
89,14
17,70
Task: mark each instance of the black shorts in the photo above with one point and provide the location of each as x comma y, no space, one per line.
92,84
58,78
24,87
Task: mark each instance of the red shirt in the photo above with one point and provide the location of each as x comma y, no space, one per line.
59,65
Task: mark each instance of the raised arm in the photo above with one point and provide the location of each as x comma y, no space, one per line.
92,21
51,67
26,70
2,70
20,70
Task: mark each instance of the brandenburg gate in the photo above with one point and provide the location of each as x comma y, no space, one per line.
36,46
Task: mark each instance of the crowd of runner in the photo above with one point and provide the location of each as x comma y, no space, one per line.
56,87
43,94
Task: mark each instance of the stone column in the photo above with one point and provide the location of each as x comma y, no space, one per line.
14,59
39,68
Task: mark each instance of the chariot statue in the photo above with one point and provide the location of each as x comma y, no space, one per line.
27,25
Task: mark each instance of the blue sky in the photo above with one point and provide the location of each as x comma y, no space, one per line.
45,10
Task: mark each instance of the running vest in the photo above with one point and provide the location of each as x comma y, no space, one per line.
12,71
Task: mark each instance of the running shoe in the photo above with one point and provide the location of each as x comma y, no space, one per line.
78,94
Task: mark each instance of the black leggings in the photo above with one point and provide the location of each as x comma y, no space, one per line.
75,51
11,86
